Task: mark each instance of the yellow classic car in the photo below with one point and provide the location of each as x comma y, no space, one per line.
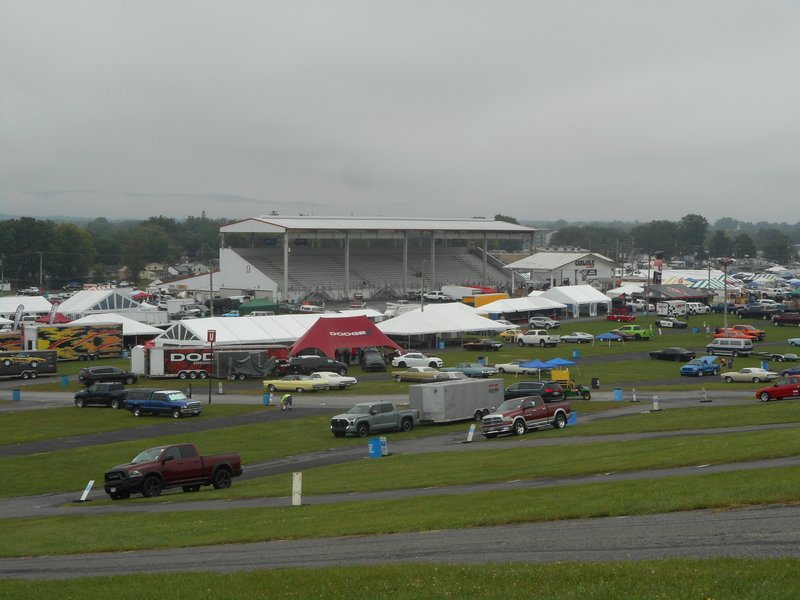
417,374
295,383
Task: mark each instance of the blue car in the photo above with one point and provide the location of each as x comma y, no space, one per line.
698,367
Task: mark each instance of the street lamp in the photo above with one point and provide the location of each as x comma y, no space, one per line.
725,262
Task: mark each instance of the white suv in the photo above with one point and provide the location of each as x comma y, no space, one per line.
545,322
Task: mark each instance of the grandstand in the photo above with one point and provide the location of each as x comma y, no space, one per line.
315,258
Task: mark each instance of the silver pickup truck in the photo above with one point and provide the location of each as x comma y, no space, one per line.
373,417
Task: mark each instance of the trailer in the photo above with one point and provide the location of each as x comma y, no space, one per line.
28,365
76,342
448,401
11,341
671,308
201,363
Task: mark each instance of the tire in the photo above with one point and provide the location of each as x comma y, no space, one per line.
182,375
222,479
756,379
240,376
729,380
79,402
520,343
271,388
193,375
402,364
736,354
34,374
560,421
478,416
432,365
26,375
398,378
542,343
203,374
710,352
765,397
586,395
700,373
130,380
299,390
115,404
152,487
191,488
342,371
519,427
231,377
501,370
363,430
137,412
406,425
176,414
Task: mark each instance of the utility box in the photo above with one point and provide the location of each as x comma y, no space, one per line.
462,400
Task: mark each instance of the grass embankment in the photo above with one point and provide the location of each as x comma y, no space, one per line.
667,580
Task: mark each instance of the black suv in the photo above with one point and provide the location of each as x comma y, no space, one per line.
372,360
104,394
548,390
305,365
90,375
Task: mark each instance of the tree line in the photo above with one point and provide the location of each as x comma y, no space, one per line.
60,252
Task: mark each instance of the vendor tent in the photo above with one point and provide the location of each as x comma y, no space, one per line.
578,298
330,334
130,327
451,317
527,304
628,289
30,305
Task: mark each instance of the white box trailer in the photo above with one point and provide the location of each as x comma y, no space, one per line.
447,401
671,308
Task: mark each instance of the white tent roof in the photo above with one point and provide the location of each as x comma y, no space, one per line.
526,304
32,304
452,317
129,326
628,289
550,261
576,294
96,300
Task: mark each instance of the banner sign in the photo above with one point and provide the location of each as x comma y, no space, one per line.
18,316
52,317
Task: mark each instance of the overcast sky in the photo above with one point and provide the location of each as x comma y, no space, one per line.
576,110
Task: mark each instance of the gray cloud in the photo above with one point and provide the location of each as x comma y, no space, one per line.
540,110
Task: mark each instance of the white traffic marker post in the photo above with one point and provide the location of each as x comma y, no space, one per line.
705,395
297,489
633,393
86,491
655,404
471,433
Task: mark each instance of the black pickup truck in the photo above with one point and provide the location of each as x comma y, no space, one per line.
103,394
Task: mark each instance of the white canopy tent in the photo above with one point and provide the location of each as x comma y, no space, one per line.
130,327
452,317
628,289
525,304
31,305
577,296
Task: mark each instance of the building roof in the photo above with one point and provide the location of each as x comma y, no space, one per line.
550,261
371,226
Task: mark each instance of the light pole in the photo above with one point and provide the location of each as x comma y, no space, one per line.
725,262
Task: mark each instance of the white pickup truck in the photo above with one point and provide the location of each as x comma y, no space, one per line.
537,337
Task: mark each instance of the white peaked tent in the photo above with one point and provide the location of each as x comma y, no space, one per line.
627,289
30,304
129,326
525,304
578,297
96,301
451,317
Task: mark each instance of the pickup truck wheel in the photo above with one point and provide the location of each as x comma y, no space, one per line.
151,487
560,421
115,404
79,402
222,479
362,430
542,343
176,414
191,488
130,380
137,412
764,397
406,424
519,427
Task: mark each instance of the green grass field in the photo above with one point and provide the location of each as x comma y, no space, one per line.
575,455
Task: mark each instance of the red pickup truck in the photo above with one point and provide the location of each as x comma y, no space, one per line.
171,466
518,415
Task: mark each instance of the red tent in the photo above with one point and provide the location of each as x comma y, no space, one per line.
58,318
331,333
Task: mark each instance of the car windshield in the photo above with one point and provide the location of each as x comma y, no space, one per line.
510,405
176,396
147,456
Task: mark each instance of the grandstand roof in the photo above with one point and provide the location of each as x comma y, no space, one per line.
310,225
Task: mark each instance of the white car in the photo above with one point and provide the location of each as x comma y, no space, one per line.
416,359
577,337
507,324
334,380
515,367
749,374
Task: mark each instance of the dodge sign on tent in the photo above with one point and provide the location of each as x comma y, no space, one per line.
330,334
